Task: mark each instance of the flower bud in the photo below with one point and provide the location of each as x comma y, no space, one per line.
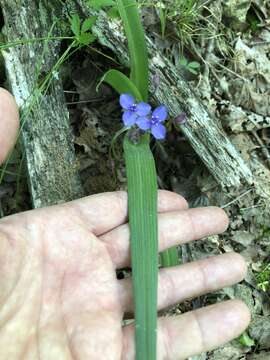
181,119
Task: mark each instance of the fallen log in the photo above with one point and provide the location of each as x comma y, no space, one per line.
45,131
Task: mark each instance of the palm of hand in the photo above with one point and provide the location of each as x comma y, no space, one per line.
59,295
60,298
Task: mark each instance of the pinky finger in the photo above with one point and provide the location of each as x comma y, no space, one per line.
194,332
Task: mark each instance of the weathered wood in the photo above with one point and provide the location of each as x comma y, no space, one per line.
206,137
45,130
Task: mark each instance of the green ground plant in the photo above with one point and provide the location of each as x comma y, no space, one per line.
263,278
142,186
180,19
191,66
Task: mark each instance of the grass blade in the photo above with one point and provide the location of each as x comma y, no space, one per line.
136,43
142,206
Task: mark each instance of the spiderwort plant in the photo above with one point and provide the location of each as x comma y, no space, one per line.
141,177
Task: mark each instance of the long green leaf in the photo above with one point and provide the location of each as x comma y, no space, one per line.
169,257
142,207
121,83
128,10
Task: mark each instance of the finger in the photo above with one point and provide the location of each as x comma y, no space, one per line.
175,285
103,212
195,332
9,123
175,228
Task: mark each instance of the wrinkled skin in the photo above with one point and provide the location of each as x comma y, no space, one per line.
60,298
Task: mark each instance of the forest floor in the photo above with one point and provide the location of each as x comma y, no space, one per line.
222,48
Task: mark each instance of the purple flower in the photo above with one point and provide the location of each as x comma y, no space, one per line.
140,114
132,110
154,123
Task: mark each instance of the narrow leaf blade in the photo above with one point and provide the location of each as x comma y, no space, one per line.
170,257
142,206
137,46
121,83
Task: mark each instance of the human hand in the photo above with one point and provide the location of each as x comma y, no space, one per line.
60,298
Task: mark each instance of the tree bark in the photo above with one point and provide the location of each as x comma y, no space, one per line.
45,131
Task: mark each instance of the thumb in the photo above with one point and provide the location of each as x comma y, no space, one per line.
9,123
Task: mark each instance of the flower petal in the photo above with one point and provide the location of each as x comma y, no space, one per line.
158,131
129,118
143,123
143,109
126,101
161,113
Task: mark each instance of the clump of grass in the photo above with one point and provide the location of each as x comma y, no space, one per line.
184,20
178,18
184,16
263,278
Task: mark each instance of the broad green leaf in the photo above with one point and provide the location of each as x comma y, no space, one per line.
136,43
142,208
88,23
86,38
121,83
75,24
98,4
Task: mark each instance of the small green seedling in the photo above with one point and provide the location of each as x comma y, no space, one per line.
253,21
192,66
81,30
246,340
263,278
